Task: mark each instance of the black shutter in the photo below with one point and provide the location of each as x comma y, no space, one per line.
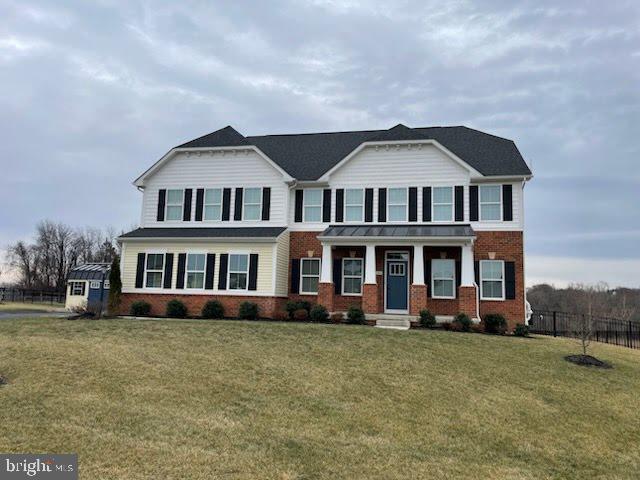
368,205
413,204
510,280
186,210
140,270
182,261
162,199
295,275
507,202
326,205
266,203
211,265
459,194
199,204
222,273
226,204
298,209
426,204
382,204
476,271
168,270
473,203
458,277
340,205
427,276
337,276
237,213
253,271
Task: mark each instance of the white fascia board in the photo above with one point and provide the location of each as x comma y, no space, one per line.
501,178
199,239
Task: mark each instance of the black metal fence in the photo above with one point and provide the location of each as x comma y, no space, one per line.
31,296
625,333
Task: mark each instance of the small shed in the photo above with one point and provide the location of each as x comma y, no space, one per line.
88,286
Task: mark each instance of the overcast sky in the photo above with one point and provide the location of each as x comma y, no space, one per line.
92,93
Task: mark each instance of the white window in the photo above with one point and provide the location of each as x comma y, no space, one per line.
154,270
353,205
213,204
312,201
175,199
492,280
76,289
94,284
442,204
352,276
252,208
490,202
238,271
309,275
443,278
106,284
195,270
397,205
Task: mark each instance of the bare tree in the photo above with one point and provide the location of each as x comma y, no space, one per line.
22,257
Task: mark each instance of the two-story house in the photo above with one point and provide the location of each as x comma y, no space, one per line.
394,221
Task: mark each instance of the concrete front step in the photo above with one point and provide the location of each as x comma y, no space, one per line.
397,322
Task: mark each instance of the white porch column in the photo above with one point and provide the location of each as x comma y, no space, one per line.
468,276
326,273
370,265
418,264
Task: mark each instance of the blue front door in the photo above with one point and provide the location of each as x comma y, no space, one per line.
397,284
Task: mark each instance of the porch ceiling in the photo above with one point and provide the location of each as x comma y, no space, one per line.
399,232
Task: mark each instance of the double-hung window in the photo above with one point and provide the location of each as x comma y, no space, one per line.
443,278
238,271
352,276
312,202
443,204
353,204
175,199
195,270
77,288
397,205
252,208
309,275
213,204
491,279
490,202
154,270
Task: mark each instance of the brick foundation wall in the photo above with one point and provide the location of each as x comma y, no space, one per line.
417,299
467,301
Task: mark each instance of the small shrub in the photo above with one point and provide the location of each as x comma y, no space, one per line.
337,317
300,315
292,306
427,319
248,311
140,308
446,325
319,314
355,315
495,323
213,309
464,321
304,305
176,309
477,328
456,327
281,316
521,330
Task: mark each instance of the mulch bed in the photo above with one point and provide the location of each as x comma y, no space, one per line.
587,361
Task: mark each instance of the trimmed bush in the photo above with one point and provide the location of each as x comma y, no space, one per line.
176,309
292,306
495,323
427,319
281,316
140,308
521,330
248,311
301,315
446,325
319,314
456,327
304,305
337,317
464,321
213,309
355,315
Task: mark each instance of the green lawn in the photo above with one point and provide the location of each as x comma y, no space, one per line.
225,399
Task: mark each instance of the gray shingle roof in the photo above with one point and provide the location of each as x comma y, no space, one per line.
90,271
308,156
398,231
197,232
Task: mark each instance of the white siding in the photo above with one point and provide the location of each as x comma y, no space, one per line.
282,264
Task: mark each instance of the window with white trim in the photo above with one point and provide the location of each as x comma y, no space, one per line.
309,275
352,276
106,285
213,204
252,204
238,271
175,201
443,278
353,204
490,202
312,205
397,205
194,276
76,289
491,279
154,270
442,204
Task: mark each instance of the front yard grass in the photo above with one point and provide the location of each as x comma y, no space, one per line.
227,399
